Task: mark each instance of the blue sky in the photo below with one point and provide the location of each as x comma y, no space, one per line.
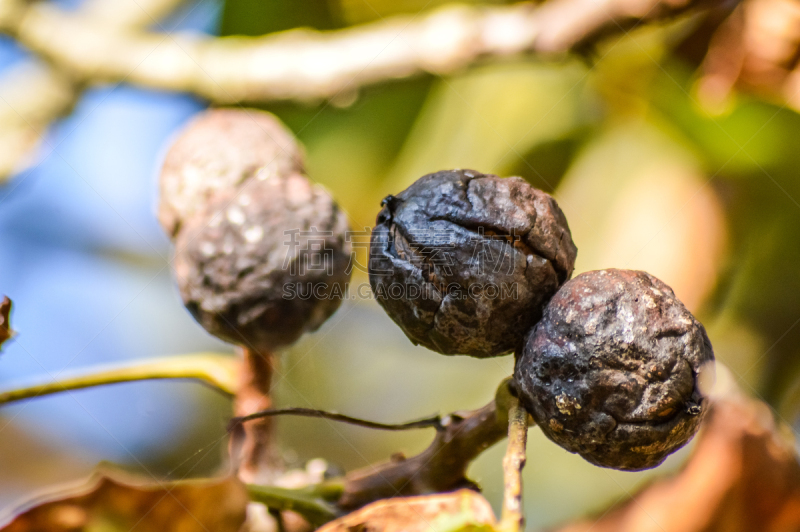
83,258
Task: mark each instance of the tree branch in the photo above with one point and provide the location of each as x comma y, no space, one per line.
440,467
32,95
103,43
460,438
304,64
129,14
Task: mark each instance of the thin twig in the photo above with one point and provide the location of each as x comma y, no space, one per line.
512,519
218,371
433,421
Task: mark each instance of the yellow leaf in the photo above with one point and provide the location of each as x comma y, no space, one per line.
461,510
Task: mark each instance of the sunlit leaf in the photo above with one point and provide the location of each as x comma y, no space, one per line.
748,154
754,49
463,510
749,138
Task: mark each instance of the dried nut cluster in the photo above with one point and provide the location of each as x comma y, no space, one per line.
260,251
611,370
464,262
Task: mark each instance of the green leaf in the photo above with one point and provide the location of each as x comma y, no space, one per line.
350,150
308,502
490,118
258,17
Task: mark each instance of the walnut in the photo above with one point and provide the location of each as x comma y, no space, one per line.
611,370
464,262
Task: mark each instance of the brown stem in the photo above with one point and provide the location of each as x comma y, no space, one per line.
5,327
440,467
254,450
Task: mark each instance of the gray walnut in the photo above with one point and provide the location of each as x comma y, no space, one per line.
260,251
218,150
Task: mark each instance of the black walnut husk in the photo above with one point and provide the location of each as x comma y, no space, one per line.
611,370
260,252
464,262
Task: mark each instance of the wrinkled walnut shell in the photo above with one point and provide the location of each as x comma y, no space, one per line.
611,370
260,252
464,262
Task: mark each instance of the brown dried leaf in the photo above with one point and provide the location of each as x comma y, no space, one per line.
459,510
743,476
114,501
5,325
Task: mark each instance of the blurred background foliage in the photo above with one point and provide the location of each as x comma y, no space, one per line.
705,197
